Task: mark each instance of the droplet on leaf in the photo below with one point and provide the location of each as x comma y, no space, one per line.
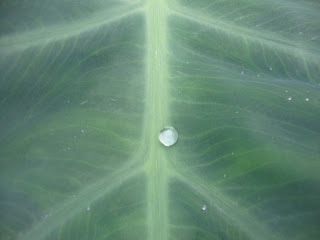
168,136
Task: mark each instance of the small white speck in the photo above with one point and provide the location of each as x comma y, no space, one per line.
270,68
307,99
204,207
187,62
82,130
88,208
258,75
46,216
113,100
289,98
68,101
242,72
237,112
286,91
69,148
232,153
224,175
300,33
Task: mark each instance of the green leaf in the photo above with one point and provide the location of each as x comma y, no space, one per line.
87,86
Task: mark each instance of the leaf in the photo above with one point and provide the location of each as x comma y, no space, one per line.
86,87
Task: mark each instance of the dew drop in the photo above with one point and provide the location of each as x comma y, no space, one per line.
289,98
204,207
307,99
168,136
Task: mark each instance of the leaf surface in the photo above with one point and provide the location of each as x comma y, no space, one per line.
86,87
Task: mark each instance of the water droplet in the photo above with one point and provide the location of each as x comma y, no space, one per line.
289,98
307,99
204,207
168,136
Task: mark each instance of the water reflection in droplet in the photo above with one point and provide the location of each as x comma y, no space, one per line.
168,136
